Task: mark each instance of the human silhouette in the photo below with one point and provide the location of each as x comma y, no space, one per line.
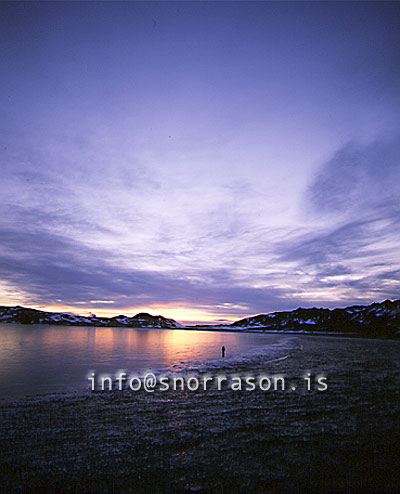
223,351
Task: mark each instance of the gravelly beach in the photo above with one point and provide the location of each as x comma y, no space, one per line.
344,439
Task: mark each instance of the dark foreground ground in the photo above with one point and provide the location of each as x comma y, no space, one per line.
345,439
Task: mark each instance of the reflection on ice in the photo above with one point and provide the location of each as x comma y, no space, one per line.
48,359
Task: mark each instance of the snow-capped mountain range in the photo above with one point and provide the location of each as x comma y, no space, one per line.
375,320
24,315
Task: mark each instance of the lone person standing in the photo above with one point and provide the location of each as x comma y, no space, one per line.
223,351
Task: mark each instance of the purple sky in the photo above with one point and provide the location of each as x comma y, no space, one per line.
206,161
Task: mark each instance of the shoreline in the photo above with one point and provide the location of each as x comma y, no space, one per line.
219,329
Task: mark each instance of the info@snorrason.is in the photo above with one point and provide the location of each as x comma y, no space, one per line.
150,382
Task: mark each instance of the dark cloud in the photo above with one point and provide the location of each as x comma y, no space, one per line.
41,220
358,177
338,244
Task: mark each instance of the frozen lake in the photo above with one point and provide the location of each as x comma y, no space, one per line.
50,359
344,439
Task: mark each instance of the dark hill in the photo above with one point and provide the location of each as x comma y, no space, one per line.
375,320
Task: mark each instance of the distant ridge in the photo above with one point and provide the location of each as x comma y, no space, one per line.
24,315
375,320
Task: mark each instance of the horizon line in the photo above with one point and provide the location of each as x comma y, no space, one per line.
195,323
